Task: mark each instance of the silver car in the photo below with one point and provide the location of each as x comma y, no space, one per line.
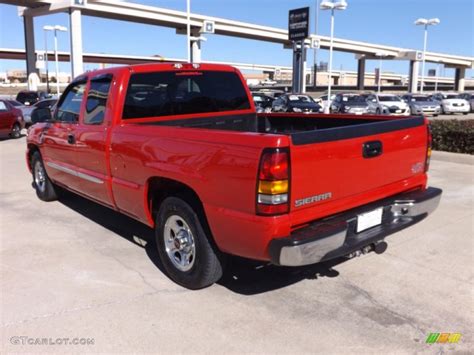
422,104
469,96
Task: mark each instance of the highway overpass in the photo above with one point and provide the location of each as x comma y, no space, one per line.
137,13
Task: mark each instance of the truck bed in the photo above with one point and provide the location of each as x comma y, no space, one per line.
303,128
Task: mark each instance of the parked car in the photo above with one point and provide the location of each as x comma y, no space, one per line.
268,82
422,104
350,103
469,96
295,103
180,148
19,106
324,102
387,104
11,120
452,103
28,111
263,103
31,97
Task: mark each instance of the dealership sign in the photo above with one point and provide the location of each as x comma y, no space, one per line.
298,24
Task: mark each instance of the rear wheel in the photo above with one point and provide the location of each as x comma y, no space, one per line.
465,113
45,189
185,250
16,131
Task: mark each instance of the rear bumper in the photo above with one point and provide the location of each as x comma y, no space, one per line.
336,236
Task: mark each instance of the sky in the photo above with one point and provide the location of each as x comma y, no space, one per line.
388,22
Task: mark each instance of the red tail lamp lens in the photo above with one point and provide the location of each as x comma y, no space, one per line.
274,166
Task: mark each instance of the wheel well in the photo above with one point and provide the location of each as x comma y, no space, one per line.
160,188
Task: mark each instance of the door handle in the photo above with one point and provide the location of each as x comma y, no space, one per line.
71,138
372,149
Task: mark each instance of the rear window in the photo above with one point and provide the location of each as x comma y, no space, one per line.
180,93
27,96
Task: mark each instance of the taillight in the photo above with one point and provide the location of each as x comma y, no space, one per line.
428,148
273,182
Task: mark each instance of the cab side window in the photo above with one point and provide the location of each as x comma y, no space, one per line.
69,106
97,100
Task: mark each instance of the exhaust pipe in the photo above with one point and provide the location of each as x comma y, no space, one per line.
380,247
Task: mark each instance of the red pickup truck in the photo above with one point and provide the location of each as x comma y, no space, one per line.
180,148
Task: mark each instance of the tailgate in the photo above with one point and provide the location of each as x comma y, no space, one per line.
330,174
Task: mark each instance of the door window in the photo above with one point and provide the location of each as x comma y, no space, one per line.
69,106
97,100
3,107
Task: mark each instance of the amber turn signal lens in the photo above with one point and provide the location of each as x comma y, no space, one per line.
273,187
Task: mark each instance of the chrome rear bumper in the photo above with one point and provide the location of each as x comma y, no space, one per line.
336,236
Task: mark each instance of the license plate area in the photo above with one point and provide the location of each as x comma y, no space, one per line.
369,219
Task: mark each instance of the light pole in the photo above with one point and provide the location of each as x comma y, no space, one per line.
426,23
56,29
46,29
379,79
315,50
329,5
188,28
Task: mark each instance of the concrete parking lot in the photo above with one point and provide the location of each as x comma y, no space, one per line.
72,269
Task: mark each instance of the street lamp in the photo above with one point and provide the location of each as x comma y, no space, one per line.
46,29
426,23
379,79
329,5
56,29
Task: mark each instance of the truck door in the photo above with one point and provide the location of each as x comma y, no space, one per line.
58,137
91,140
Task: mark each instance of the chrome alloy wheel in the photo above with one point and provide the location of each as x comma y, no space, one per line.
179,243
39,176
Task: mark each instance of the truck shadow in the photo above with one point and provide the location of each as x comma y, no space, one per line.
242,276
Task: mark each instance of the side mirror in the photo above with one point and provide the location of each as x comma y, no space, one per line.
41,115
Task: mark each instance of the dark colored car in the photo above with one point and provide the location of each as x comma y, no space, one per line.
295,103
31,97
11,120
263,103
350,103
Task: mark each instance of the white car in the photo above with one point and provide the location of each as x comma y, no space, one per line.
324,102
452,103
387,104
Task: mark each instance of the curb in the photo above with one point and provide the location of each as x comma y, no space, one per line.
453,157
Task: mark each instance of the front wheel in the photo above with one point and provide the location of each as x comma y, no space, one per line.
185,250
16,131
45,189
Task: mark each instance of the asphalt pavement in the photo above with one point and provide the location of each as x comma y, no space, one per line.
75,272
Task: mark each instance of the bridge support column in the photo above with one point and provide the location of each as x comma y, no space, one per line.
28,25
195,51
75,28
459,79
413,77
360,73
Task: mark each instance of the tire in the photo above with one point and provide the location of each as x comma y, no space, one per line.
465,113
377,111
443,112
435,115
45,189
16,131
191,260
